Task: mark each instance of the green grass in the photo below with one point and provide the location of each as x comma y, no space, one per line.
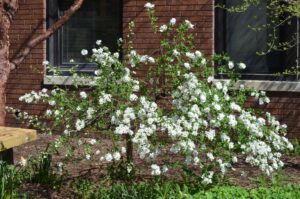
171,190
9,181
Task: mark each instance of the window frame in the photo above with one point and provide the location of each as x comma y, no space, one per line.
220,46
54,45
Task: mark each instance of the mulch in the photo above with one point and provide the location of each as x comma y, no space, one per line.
93,170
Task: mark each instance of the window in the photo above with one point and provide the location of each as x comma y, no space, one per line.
234,37
96,19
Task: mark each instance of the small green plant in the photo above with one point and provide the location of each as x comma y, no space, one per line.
42,170
10,181
127,191
173,190
83,188
290,191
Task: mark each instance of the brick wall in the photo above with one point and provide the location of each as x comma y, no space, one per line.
29,21
286,107
29,76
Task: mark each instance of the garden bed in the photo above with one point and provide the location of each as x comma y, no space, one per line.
92,171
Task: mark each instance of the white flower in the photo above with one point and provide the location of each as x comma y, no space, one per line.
133,97
56,112
84,52
173,21
92,141
116,55
48,112
210,134
149,6
234,159
117,156
88,156
221,116
53,92
230,65
45,63
151,60
123,150
235,107
210,79
104,98
98,72
98,42
23,161
44,90
83,95
210,156
203,97
187,65
219,85
66,132
164,169
97,152
52,103
108,157
72,61
217,107
232,121
261,101
190,25
129,168
198,53
203,61
190,55
225,138
163,28
242,66
90,111
80,124
175,53
94,50
207,177
155,170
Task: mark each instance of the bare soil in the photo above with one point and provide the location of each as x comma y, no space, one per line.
93,170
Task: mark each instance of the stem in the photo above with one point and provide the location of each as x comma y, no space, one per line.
129,149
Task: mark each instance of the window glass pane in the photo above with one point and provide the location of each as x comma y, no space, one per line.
97,19
243,43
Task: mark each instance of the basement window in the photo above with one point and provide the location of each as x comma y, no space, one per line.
234,37
95,20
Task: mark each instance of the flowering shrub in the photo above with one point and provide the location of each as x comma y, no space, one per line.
206,123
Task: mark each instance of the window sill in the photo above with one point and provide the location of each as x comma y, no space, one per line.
280,86
64,80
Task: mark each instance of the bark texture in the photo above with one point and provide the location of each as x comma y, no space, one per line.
8,9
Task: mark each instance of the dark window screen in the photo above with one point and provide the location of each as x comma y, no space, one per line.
235,38
96,20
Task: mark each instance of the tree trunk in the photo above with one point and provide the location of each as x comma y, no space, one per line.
5,22
3,80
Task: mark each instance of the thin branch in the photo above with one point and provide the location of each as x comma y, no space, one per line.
18,59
